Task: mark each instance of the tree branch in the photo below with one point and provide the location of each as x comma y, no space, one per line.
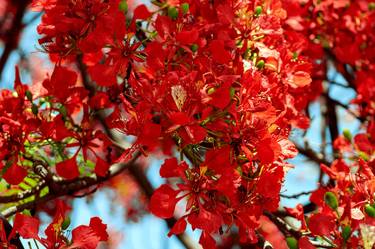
296,195
68,187
312,155
13,33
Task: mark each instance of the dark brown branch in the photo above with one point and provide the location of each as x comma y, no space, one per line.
346,74
13,34
332,120
339,84
312,155
323,133
22,195
282,226
347,108
296,195
69,187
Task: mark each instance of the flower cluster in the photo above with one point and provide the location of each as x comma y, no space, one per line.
216,87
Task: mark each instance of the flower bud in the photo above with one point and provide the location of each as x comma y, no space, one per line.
370,210
123,6
346,231
66,223
194,47
292,242
258,10
185,8
29,95
34,109
347,134
173,13
331,200
260,64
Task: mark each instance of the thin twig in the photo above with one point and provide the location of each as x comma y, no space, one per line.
312,155
294,196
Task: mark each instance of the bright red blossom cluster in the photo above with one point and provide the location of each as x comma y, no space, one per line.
216,87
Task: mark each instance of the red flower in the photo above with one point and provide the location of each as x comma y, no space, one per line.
101,167
15,174
88,237
163,201
322,224
68,168
26,226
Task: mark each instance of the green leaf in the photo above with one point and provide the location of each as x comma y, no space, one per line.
44,192
26,212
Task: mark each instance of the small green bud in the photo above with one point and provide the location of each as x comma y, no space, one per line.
331,200
346,231
232,91
194,47
66,223
258,10
260,64
34,109
295,55
29,95
371,6
247,54
26,212
123,6
185,8
63,111
173,13
292,242
370,210
347,134
363,155
211,90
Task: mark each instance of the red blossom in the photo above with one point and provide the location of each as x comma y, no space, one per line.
220,85
163,201
15,174
68,168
